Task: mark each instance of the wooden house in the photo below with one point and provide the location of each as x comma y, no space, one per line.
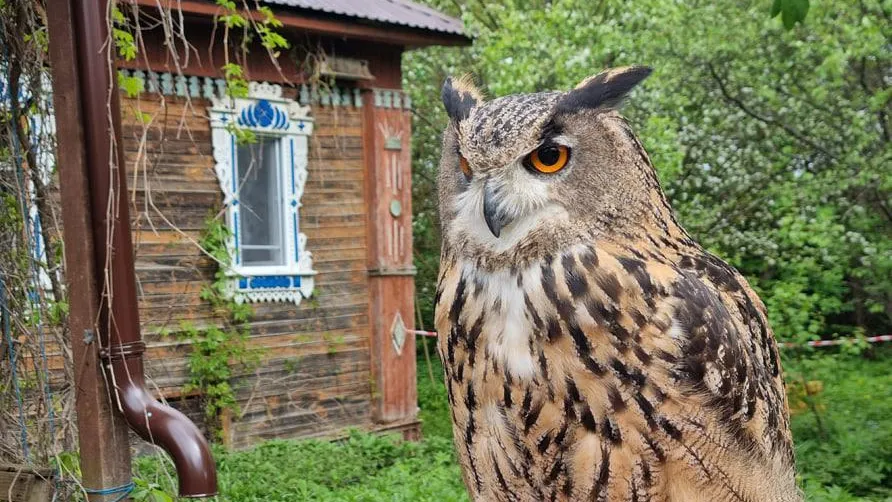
318,209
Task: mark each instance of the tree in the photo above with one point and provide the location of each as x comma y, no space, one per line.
772,144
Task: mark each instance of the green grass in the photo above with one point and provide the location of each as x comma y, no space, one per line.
435,418
843,434
360,468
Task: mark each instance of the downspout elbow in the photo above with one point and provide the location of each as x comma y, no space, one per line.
159,424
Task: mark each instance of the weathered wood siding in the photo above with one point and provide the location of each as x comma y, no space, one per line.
314,378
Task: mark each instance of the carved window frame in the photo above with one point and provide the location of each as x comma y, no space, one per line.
266,113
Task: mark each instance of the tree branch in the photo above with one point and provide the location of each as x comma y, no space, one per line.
766,120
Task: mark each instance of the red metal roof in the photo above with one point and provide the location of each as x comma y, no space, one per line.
399,12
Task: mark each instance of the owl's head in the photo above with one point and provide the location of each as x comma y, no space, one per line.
530,173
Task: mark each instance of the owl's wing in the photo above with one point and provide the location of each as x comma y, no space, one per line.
729,355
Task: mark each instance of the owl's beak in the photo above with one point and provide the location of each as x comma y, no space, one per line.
495,218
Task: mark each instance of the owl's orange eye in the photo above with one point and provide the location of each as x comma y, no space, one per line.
548,158
465,168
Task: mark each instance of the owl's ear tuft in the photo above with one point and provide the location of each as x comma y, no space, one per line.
605,90
459,97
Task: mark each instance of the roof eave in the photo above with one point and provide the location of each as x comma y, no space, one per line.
442,39
332,25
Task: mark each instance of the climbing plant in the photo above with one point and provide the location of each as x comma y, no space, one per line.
216,351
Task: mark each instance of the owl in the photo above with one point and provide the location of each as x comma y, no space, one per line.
592,349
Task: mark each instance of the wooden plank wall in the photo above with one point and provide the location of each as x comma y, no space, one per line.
21,483
314,379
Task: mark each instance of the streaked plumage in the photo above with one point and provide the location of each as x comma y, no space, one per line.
593,350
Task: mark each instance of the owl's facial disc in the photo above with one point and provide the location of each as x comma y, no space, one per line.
532,171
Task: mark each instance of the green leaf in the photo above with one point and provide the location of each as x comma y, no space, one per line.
793,11
161,496
132,86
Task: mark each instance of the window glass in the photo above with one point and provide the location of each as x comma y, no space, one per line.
261,203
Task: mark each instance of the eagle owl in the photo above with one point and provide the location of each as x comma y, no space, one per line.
593,350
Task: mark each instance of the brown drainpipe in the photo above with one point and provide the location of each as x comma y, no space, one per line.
161,424
119,318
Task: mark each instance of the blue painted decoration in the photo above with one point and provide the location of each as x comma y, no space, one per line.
296,235
291,156
269,282
263,114
234,172
238,256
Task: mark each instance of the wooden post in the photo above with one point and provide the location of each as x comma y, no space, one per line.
386,147
102,283
102,432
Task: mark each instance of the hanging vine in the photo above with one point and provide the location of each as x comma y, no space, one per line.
216,351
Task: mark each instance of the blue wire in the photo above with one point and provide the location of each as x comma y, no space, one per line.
124,490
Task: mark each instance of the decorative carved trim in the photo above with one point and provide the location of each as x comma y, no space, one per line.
179,85
267,113
299,287
392,98
329,96
264,90
211,88
398,334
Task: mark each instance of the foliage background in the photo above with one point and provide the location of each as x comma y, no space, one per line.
772,145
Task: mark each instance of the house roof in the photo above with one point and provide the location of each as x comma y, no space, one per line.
396,12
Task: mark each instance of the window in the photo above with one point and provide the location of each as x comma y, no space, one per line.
262,183
259,187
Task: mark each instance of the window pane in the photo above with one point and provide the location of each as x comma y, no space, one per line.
261,204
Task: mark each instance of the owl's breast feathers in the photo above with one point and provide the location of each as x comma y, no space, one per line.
607,373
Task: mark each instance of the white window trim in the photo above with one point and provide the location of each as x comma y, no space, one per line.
265,112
